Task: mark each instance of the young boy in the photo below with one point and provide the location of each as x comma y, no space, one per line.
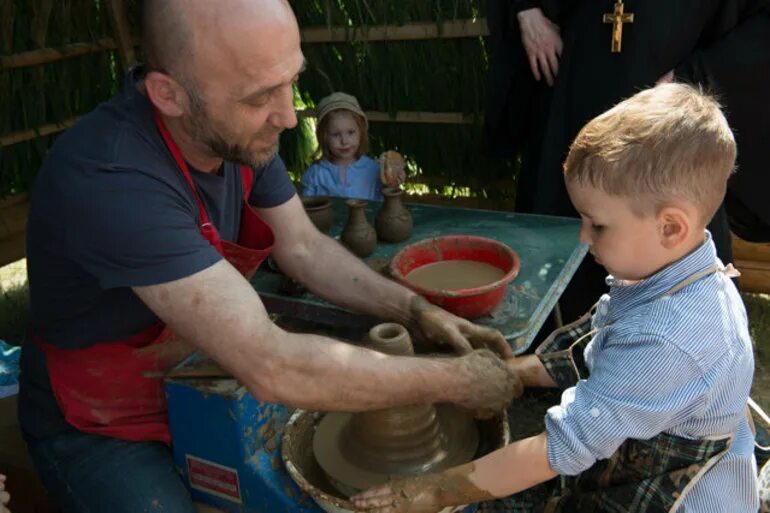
653,415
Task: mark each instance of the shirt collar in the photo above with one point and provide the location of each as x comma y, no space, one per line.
623,297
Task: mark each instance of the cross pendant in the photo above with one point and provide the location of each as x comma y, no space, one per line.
618,18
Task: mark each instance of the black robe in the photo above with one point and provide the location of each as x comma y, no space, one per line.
721,44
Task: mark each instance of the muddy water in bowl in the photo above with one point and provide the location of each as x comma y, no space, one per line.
454,275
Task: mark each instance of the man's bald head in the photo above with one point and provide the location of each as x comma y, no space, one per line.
166,34
171,29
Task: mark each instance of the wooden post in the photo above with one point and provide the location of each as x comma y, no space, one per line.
122,32
13,228
753,261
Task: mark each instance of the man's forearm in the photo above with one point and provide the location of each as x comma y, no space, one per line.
218,311
327,269
315,372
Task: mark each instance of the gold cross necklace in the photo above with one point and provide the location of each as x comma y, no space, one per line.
618,18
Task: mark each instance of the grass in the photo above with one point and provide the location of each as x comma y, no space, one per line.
758,308
14,302
14,314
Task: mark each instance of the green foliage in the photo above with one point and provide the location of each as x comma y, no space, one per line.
35,96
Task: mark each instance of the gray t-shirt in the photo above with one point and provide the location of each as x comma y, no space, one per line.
110,211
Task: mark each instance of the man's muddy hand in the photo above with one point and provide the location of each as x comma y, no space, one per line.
441,327
489,385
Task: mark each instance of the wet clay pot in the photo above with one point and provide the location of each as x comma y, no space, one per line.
393,221
358,235
357,451
390,338
319,210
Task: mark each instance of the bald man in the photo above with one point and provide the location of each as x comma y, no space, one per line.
146,218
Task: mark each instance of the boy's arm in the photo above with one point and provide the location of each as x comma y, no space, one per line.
506,471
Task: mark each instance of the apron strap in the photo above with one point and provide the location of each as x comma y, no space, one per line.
728,270
208,230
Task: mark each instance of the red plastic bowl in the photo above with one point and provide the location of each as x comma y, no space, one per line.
468,303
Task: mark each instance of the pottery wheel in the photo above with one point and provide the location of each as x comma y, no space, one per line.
357,451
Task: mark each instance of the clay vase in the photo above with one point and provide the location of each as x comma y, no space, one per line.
393,221
358,235
319,210
403,440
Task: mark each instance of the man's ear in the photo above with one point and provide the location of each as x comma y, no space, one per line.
168,96
674,227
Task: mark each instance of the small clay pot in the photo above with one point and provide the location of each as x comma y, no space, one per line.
319,210
393,221
390,338
358,235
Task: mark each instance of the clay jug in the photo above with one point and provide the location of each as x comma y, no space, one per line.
358,235
393,221
319,210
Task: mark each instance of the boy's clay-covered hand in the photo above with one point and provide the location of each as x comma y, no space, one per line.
490,384
413,495
428,493
392,168
5,497
441,327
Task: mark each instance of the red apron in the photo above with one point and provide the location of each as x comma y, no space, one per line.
102,388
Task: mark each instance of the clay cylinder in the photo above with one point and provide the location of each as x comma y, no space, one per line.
390,338
358,235
393,221
319,210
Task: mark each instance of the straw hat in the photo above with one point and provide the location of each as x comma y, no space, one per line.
337,101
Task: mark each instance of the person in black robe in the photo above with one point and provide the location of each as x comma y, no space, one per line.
553,69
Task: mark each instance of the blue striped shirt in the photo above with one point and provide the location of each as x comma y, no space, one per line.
681,364
362,180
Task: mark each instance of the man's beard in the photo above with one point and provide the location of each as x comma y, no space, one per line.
203,130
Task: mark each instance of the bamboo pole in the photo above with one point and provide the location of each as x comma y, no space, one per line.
125,42
42,15
408,32
452,118
33,133
40,21
48,55
7,15
401,117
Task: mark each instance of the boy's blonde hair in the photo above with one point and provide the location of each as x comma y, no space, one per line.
668,143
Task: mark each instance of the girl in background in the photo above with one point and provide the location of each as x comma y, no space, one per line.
343,169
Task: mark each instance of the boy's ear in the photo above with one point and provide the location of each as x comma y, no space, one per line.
165,93
673,227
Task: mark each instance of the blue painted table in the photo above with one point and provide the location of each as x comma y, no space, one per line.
227,444
548,248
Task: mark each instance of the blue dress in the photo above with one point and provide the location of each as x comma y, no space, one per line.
325,179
